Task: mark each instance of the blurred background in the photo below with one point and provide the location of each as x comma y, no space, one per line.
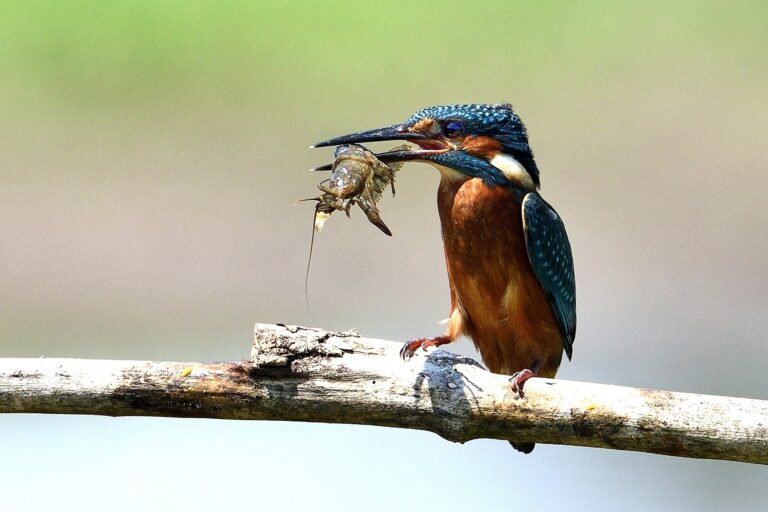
151,154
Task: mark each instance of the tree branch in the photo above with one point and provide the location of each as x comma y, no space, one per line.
300,374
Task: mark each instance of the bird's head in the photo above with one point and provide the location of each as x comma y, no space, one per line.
480,141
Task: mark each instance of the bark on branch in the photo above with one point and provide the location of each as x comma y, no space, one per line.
301,374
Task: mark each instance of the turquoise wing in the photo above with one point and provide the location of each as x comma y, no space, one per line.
549,252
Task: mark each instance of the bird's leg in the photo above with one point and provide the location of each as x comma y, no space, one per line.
410,347
518,379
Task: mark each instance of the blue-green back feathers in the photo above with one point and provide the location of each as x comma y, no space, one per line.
549,252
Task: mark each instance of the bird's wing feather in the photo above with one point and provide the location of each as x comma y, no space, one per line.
549,252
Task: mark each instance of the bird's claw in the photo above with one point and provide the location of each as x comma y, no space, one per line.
518,381
409,348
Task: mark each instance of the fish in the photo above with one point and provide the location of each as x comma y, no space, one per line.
357,178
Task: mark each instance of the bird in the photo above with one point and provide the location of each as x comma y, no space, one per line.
507,253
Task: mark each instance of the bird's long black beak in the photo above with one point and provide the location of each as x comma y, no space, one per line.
394,132
404,155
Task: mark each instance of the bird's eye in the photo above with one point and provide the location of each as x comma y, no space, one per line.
453,129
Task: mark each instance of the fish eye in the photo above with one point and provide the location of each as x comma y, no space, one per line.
453,129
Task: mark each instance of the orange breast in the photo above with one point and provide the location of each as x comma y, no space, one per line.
495,297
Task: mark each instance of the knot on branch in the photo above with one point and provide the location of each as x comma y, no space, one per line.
281,344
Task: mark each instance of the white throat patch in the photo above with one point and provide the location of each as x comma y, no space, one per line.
448,174
513,170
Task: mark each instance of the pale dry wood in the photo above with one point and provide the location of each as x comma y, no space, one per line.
301,374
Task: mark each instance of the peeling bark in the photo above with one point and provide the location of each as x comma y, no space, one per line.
302,374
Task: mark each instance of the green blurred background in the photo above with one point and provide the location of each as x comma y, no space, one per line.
151,153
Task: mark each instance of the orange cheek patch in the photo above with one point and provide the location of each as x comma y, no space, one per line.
481,145
423,126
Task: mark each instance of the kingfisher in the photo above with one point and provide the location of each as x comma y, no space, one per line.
509,261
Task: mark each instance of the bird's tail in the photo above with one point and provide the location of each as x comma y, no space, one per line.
525,448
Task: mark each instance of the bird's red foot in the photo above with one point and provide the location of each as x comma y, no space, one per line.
410,347
518,380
